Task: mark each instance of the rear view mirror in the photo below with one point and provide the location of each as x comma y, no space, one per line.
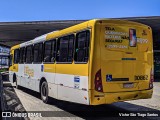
10,60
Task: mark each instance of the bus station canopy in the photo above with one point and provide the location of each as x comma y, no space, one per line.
12,33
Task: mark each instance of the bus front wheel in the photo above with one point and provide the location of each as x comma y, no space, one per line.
44,92
15,80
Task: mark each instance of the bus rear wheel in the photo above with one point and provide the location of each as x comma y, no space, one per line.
44,92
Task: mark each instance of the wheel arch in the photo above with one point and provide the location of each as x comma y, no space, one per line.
41,81
14,77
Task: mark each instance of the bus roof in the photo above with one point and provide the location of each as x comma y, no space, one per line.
72,29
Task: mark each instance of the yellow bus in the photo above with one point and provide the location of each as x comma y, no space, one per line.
99,61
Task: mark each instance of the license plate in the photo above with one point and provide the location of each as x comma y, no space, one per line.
128,85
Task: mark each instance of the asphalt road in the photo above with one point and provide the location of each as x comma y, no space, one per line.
27,100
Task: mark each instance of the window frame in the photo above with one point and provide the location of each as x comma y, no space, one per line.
30,56
42,51
24,55
15,57
51,62
73,44
22,62
58,48
89,41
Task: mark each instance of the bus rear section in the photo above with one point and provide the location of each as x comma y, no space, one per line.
126,63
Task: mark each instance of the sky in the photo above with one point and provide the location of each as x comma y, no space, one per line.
44,10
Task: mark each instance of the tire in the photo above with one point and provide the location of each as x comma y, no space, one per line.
17,86
15,79
44,92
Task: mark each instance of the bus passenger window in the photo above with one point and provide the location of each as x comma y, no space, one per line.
16,56
82,46
29,54
70,48
35,52
65,46
57,50
63,51
87,46
21,55
53,53
24,55
47,51
38,50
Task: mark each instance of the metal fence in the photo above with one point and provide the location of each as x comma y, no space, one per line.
2,98
1,93
4,62
4,65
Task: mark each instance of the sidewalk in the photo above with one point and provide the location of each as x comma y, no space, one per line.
144,104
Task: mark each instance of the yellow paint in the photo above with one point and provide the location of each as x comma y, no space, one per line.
109,59
67,31
77,69
49,68
108,98
72,69
14,67
15,47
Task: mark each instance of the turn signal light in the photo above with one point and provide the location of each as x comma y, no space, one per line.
98,81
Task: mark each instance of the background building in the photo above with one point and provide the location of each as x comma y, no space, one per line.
12,33
4,56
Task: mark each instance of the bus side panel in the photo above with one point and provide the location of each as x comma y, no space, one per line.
49,75
29,76
13,70
26,75
95,64
52,90
20,75
72,81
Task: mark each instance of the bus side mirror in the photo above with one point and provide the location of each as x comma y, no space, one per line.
10,60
